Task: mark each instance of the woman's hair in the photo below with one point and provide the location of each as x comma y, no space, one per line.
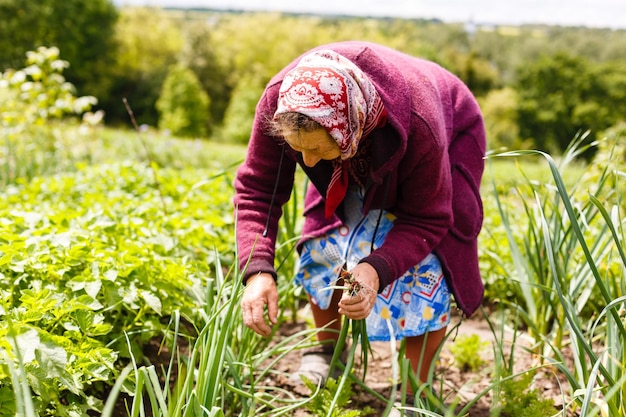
290,122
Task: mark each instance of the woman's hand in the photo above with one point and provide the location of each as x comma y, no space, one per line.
359,305
260,291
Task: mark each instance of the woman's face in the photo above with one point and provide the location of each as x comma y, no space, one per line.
313,145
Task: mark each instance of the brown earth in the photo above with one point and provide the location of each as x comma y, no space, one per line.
454,385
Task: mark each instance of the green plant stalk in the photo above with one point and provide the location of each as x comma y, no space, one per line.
210,352
547,318
272,356
109,405
522,268
571,318
395,371
586,403
270,404
339,346
137,408
568,311
23,396
287,238
215,360
356,338
576,229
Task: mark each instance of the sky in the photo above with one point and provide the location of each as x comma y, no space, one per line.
591,13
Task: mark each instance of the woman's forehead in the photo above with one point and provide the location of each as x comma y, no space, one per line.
313,139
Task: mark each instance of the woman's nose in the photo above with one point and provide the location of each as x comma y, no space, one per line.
310,159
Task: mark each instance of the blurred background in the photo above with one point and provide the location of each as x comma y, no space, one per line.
544,71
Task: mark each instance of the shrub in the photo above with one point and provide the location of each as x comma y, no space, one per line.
183,105
29,99
466,351
520,400
240,112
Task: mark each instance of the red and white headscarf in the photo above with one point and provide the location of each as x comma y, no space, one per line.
333,91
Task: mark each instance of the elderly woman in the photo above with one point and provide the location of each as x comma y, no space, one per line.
393,146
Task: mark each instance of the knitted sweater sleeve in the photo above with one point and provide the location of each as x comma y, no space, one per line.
254,186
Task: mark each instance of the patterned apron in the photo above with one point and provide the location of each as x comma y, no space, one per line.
415,303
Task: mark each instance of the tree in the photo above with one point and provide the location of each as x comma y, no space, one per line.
199,55
549,92
142,62
240,113
562,95
81,29
183,105
498,109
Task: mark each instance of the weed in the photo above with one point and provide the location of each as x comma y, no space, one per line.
332,399
466,351
520,400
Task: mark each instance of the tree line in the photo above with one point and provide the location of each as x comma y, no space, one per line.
201,72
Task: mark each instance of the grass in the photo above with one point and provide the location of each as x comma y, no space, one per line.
57,148
571,252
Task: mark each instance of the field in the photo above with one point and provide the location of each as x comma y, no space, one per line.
119,294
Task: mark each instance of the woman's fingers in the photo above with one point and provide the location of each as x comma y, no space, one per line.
260,292
357,306
253,317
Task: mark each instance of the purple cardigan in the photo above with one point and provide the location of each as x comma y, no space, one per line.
430,154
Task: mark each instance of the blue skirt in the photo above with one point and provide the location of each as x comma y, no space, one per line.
415,303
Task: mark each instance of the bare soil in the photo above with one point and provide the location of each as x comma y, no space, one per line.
455,385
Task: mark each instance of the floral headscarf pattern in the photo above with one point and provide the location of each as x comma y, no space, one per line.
333,91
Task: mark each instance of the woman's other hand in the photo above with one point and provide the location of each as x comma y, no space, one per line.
358,306
260,291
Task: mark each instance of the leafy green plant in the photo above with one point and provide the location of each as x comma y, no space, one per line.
332,400
91,267
29,99
224,369
520,400
466,351
550,224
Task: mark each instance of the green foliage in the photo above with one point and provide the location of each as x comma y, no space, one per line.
520,400
240,113
234,55
499,112
88,260
550,233
199,54
112,216
82,29
466,351
205,374
143,59
562,95
183,105
569,262
95,263
479,74
29,99
322,404
39,91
